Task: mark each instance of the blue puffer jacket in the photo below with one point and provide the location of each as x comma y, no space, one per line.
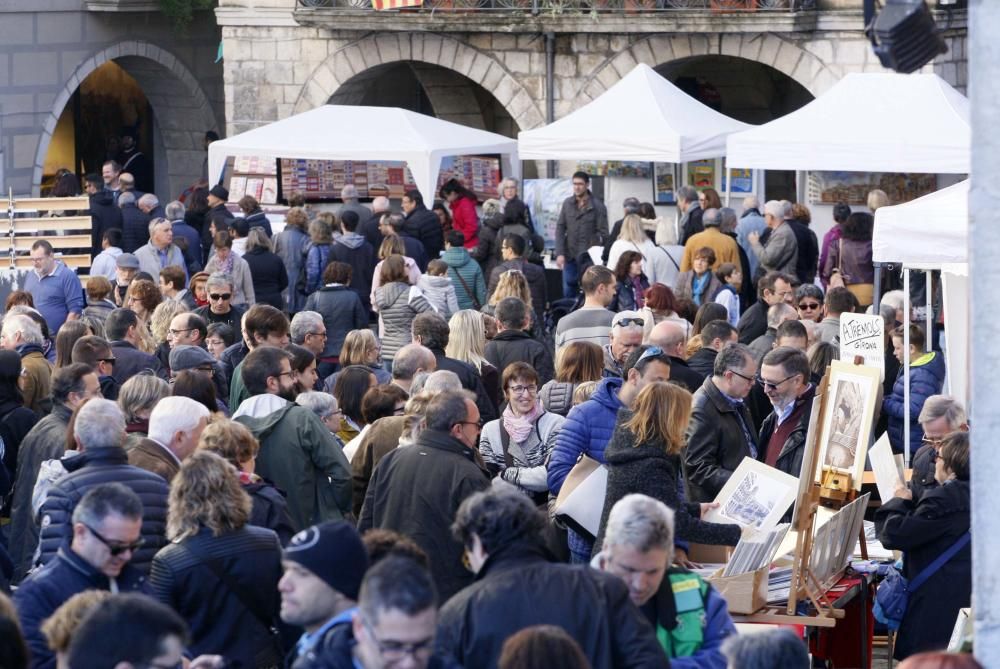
926,379
588,429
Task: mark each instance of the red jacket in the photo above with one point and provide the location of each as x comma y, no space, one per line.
465,220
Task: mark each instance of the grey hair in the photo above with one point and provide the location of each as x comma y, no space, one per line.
218,279
141,393
631,327
258,239
445,410
809,290
30,331
105,499
776,313
786,209
349,192
732,356
509,181
99,424
728,219
175,210
381,203
491,207
764,650
641,522
687,193
751,202
155,222
302,324
943,406
125,198
148,200
409,359
175,414
710,218
321,404
896,298
441,381
774,208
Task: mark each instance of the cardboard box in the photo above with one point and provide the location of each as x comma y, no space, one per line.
746,593
709,554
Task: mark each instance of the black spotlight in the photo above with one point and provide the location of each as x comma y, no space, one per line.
905,36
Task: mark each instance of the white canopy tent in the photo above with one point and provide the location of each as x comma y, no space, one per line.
346,132
643,117
872,122
932,232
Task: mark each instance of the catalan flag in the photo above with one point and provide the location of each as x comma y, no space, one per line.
395,4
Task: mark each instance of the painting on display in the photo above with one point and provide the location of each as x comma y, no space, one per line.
847,422
615,168
742,181
853,187
663,184
701,173
544,198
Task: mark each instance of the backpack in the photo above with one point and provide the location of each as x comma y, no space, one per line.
302,280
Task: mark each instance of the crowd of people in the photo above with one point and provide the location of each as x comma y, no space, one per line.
339,445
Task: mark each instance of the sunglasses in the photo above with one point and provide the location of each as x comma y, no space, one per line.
114,548
625,322
808,305
651,352
217,296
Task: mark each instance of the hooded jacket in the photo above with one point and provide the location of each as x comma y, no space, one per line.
587,430
351,248
462,268
342,312
300,454
398,304
926,379
440,292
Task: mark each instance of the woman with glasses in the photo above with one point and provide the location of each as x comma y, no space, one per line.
709,198
516,446
809,302
219,337
197,285
225,261
644,456
576,363
219,572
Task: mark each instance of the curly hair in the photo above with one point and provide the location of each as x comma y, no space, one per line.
206,493
512,283
499,517
230,440
661,414
146,294
61,625
159,322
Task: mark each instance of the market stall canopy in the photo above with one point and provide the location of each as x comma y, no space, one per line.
643,117
927,232
347,132
872,122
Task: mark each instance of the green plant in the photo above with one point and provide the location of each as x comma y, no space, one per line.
180,12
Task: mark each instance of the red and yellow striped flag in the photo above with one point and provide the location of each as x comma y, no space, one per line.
395,4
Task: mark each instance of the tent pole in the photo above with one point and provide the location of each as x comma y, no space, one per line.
550,86
929,283
906,366
877,296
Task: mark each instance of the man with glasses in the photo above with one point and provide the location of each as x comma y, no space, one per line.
772,288
721,431
784,375
513,344
54,286
297,451
121,329
106,528
416,490
96,353
626,334
220,308
187,329
940,416
583,222
99,432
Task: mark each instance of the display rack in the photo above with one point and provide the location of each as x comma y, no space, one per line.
68,234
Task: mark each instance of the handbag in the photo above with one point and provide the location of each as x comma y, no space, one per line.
472,295
271,655
894,592
581,499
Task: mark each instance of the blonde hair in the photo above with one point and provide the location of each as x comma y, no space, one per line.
584,392
357,343
320,232
632,230
512,283
467,341
60,627
390,245
159,322
230,440
877,198
206,492
661,413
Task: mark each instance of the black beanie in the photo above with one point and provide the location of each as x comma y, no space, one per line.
334,552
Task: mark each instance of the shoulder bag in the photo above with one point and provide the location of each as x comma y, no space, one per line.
470,293
581,498
893,594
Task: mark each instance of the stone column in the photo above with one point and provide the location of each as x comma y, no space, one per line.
984,258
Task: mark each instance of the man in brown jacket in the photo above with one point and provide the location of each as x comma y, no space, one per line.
174,429
22,334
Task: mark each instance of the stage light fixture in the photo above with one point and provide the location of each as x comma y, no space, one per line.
904,35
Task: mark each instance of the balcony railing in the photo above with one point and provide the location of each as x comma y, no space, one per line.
579,6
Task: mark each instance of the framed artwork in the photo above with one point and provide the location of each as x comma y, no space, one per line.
853,187
663,184
847,421
701,173
755,495
742,181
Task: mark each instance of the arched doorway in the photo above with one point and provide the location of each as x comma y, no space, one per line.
745,90
135,84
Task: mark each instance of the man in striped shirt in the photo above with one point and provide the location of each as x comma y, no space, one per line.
592,321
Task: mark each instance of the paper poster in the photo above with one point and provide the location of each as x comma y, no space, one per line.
755,495
544,198
885,467
864,335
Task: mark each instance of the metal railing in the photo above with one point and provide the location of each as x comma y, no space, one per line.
576,6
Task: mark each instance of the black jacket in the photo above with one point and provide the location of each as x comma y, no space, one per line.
270,509
647,468
219,621
537,285
135,228
188,240
414,249
753,322
416,491
268,275
259,219
808,259
104,215
716,444
423,224
518,587
16,421
693,224
518,346
223,219
130,361
471,380
362,261
368,229
703,362
47,589
748,293
45,441
342,311
923,464
923,530
790,457
94,467
682,375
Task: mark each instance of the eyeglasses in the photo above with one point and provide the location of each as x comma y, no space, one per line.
316,334
114,548
469,422
217,296
748,379
279,375
175,333
393,651
625,322
773,385
933,441
521,390
215,342
808,305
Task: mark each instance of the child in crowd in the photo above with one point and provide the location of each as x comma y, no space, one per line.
926,379
438,288
728,295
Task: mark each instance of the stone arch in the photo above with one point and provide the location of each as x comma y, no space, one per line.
809,69
373,51
182,110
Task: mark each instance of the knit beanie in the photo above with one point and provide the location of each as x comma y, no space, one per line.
334,552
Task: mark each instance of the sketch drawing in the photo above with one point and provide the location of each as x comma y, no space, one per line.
752,502
846,426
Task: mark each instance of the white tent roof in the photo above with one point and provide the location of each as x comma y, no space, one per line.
926,232
346,132
643,117
871,122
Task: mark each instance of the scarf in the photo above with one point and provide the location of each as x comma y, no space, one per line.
226,266
519,427
698,284
640,301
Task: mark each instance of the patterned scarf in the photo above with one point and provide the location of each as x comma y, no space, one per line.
519,427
